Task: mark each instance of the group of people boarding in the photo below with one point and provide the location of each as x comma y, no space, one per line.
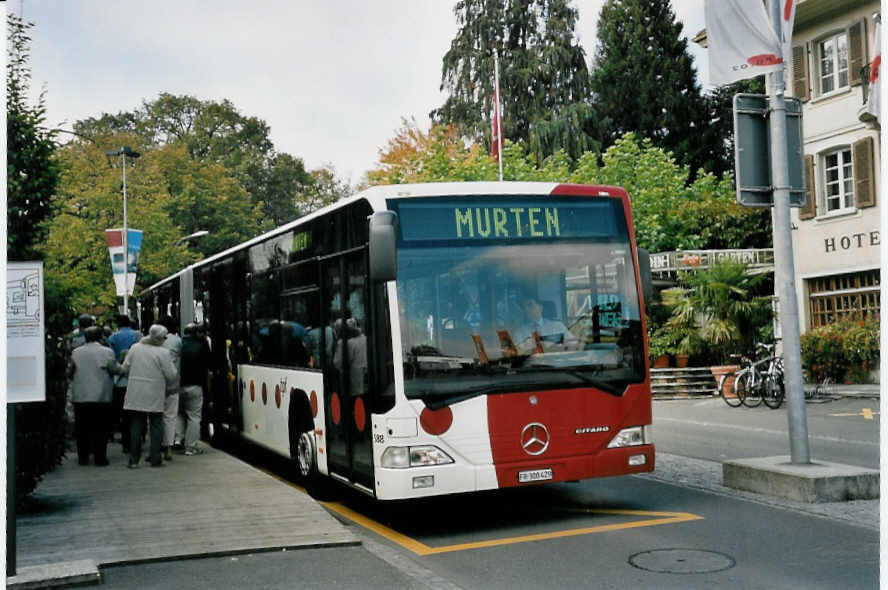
133,383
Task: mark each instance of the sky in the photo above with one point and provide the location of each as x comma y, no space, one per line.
331,78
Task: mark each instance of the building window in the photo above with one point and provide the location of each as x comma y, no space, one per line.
853,295
838,180
832,55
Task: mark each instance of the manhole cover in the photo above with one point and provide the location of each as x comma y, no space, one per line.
682,561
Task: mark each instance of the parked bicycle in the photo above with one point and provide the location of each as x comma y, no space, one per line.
756,381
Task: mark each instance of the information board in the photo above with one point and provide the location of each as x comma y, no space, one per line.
25,341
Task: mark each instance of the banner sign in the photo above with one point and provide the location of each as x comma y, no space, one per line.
742,42
115,249
25,347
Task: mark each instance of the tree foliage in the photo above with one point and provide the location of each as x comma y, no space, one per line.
544,79
31,172
644,81
215,132
168,195
32,175
669,211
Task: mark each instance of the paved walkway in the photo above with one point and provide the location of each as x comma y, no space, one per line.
209,504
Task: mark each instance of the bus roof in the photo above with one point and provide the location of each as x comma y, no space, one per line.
377,196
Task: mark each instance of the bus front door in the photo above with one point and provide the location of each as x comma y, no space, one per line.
349,448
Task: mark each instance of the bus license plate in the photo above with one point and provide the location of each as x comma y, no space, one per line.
534,475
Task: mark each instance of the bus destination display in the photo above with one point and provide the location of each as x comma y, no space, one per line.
519,220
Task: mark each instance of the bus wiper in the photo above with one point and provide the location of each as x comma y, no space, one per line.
439,402
585,376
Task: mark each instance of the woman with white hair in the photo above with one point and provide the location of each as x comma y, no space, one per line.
151,372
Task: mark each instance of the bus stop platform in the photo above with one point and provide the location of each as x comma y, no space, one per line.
84,517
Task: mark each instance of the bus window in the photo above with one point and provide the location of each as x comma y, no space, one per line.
300,319
265,328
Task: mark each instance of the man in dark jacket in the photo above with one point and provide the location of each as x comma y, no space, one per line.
194,375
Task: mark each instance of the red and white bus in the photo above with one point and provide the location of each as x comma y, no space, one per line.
416,340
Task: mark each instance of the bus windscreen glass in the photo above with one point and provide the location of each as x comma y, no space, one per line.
538,292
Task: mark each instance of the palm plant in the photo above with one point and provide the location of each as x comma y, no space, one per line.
717,308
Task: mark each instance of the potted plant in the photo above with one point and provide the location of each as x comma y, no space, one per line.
718,311
660,346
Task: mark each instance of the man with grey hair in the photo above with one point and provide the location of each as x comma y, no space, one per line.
151,374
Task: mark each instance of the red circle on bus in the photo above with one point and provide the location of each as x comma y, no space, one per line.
436,421
313,401
264,394
360,415
277,395
252,391
335,409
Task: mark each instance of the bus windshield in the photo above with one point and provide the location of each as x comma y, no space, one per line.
551,305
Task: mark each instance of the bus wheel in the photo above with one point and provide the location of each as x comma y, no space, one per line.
305,456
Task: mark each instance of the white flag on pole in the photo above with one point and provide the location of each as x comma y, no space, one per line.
873,101
742,42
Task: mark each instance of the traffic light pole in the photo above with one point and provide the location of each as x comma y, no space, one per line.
784,268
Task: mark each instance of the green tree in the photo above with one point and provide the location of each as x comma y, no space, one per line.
544,79
168,195
31,172
216,132
668,213
326,188
32,175
644,81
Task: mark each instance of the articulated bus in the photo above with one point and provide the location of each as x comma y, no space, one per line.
417,340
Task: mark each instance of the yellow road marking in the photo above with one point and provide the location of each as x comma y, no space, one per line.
422,549
865,412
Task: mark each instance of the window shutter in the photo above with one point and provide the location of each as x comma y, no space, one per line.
810,208
800,73
857,56
864,187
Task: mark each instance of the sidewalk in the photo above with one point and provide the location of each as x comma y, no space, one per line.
208,504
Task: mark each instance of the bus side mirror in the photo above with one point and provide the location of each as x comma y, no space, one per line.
383,246
644,269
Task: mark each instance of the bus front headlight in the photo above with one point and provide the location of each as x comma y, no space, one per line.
403,457
631,437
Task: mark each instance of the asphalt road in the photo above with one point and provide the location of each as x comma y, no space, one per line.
841,431
629,532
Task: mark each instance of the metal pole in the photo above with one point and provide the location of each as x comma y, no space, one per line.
499,115
10,491
784,268
125,239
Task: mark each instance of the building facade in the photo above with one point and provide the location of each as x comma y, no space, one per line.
836,235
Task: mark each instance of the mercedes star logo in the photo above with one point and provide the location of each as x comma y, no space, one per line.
534,439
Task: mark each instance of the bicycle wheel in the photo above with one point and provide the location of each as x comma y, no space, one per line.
730,397
751,386
773,393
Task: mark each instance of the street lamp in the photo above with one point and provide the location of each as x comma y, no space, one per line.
123,153
198,234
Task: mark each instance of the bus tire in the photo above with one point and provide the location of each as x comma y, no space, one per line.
303,449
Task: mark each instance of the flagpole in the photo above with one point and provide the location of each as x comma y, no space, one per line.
497,115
